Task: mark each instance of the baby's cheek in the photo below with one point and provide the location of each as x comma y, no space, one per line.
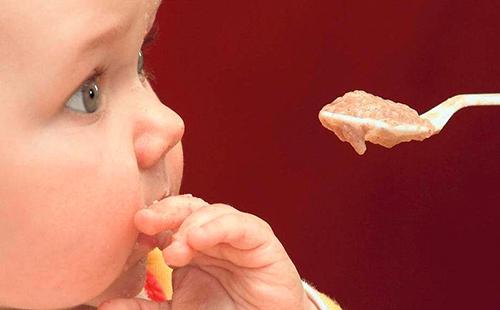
73,232
68,264
108,232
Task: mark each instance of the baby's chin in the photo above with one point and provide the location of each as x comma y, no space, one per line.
128,285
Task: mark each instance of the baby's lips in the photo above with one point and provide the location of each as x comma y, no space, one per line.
167,197
160,240
147,241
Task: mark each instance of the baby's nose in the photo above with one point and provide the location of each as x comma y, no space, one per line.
157,131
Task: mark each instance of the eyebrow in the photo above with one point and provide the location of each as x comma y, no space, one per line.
108,35
115,31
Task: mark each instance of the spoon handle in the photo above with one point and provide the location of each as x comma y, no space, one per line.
481,99
440,114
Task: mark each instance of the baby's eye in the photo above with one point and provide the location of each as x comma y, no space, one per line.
86,99
140,64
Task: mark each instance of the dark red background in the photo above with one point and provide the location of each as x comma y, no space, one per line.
413,227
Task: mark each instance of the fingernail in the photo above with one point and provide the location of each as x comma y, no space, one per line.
187,195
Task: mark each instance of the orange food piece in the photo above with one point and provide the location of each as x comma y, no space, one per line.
158,277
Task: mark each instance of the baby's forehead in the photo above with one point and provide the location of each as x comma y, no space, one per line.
35,21
123,13
60,13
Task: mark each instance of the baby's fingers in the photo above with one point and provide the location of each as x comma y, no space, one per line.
241,239
242,231
168,214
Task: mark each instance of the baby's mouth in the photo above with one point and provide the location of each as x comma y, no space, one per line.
146,244
150,242
155,199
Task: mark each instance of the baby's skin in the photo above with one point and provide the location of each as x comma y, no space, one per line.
86,147
225,259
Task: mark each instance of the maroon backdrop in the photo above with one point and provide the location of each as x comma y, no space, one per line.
413,227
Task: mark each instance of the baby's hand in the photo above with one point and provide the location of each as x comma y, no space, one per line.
222,259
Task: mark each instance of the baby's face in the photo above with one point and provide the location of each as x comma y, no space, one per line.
84,144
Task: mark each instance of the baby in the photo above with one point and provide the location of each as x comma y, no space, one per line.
90,171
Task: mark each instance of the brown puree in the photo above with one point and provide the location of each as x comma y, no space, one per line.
360,116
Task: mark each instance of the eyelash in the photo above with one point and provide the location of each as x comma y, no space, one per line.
149,39
145,75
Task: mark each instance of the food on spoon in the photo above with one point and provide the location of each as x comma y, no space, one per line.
359,116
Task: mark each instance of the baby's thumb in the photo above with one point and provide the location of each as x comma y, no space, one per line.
133,304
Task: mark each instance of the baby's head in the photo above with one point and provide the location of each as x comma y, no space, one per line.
84,144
